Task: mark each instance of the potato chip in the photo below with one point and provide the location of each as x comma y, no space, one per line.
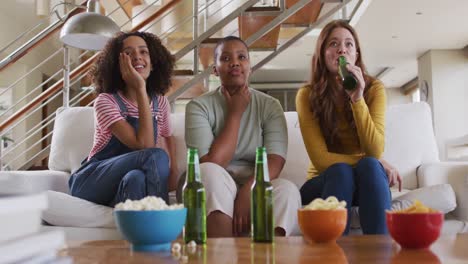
331,203
417,207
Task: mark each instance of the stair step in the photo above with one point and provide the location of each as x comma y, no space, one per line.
182,73
305,16
261,9
270,49
211,41
206,54
295,25
250,24
194,91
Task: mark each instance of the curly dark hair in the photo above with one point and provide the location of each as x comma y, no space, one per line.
106,71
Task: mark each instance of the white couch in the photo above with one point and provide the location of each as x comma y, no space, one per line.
410,146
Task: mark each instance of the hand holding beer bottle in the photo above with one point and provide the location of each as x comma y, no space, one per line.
351,78
349,81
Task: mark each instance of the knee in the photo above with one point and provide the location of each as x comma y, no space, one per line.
340,169
370,170
216,179
285,186
341,172
159,159
210,166
156,153
368,163
211,172
286,189
135,177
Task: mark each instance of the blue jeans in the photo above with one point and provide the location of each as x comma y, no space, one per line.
133,175
366,185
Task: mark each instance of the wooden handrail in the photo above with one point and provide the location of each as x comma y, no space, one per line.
47,93
156,14
127,6
76,72
43,38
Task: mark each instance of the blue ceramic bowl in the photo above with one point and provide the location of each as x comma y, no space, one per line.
150,230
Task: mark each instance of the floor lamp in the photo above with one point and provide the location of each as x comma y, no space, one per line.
89,31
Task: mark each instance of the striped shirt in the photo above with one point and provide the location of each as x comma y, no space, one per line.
107,112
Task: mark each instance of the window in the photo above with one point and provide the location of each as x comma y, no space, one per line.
287,98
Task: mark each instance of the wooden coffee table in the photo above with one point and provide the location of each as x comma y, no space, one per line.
351,249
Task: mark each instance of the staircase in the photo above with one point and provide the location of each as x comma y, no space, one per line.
32,94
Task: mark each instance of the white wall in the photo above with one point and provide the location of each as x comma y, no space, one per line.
9,31
446,72
17,133
395,96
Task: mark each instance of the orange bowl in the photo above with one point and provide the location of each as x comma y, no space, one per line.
322,225
414,230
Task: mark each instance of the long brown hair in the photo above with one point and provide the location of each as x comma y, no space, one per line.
323,88
106,71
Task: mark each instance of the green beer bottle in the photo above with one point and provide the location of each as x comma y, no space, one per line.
261,200
194,198
349,81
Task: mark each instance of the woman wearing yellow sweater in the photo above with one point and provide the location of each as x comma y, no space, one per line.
343,131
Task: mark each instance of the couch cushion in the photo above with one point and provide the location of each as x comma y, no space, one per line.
26,182
409,140
409,135
66,210
72,138
440,197
178,131
297,159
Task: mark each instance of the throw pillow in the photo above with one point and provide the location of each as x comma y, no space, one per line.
66,210
440,197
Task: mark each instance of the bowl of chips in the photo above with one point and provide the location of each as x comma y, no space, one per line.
323,221
418,226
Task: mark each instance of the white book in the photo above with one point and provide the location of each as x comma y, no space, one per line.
48,257
34,245
20,215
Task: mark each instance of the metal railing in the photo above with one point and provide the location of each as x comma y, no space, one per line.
32,144
29,106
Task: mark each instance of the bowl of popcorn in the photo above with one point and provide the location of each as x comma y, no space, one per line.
417,226
323,221
150,224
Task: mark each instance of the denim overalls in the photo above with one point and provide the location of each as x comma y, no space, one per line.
117,173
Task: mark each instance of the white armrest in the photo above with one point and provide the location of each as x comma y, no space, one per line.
454,173
21,182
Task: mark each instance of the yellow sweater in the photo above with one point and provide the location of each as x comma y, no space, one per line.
368,139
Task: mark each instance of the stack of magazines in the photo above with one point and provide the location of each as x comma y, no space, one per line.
21,240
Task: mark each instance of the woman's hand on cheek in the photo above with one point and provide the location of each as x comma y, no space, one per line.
131,77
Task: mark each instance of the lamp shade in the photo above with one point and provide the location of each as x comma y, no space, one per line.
88,30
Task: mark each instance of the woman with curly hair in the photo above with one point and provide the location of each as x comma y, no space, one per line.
344,131
131,76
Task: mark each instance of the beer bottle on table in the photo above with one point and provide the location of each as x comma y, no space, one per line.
349,81
261,200
194,199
